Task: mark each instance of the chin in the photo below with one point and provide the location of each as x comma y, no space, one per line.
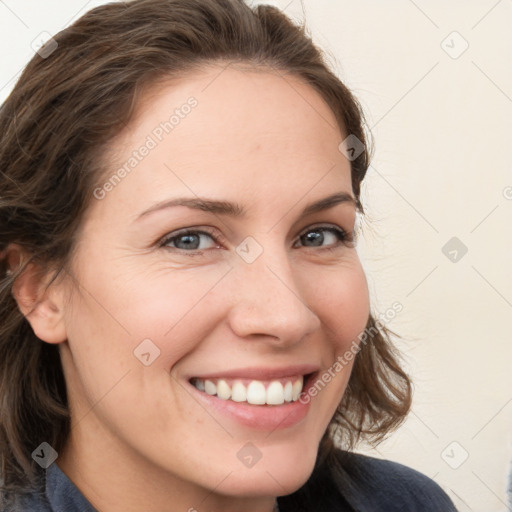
278,482
280,471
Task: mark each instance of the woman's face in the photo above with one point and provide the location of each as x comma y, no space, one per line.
252,287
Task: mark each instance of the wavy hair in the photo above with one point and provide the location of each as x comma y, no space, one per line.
72,98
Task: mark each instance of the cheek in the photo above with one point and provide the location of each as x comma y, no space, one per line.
342,303
175,310
163,305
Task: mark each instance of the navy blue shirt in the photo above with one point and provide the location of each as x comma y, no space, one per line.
367,485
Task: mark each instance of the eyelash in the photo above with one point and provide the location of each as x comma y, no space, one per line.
344,238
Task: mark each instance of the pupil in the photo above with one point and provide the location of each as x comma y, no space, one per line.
316,237
189,241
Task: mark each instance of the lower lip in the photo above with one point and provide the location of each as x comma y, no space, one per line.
259,417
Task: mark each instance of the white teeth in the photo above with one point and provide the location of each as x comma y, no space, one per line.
296,389
255,393
210,387
239,392
275,393
223,390
288,391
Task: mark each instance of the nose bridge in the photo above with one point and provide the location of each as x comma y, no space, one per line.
268,300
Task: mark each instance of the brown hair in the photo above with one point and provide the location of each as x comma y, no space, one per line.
55,126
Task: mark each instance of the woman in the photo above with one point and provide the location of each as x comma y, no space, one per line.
185,322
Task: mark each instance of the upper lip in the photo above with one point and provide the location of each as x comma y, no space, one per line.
261,373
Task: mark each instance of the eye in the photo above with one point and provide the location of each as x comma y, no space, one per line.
318,236
193,241
189,240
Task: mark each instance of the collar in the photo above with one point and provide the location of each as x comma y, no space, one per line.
62,494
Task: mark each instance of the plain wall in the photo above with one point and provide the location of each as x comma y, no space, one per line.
441,120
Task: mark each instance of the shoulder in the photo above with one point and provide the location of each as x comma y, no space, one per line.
387,485
347,482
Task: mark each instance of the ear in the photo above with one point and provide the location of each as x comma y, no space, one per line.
40,302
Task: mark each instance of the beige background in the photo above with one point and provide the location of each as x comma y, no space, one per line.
441,119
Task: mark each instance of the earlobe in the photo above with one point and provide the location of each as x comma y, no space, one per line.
40,304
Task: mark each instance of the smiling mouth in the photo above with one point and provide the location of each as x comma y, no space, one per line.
252,391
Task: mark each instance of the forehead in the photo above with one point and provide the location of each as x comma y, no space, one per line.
237,103
225,128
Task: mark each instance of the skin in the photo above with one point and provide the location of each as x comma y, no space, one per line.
139,441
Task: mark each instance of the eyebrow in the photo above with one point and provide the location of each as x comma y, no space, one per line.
236,210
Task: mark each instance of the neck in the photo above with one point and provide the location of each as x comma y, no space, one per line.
129,486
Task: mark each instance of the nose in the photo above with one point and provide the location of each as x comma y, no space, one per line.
269,304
